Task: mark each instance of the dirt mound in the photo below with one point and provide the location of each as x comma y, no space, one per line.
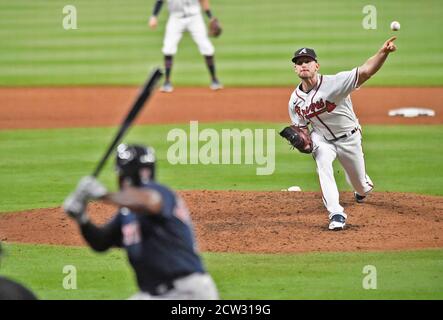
272,222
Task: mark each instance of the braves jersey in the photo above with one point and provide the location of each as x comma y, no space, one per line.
328,106
184,7
160,247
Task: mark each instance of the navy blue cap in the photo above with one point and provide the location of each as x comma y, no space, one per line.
304,52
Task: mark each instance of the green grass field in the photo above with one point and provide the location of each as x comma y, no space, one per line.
113,44
238,276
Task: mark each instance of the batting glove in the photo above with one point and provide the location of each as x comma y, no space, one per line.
75,207
90,188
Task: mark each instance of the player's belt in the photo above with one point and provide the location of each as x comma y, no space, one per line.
346,135
186,15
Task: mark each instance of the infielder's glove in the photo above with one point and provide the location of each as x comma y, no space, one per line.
214,28
75,204
298,137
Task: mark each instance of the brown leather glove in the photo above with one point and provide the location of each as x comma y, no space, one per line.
298,137
214,28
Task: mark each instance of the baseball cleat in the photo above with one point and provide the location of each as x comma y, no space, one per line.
215,85
337,222
167,87
359,198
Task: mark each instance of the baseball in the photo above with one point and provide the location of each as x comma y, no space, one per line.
294,188
395,25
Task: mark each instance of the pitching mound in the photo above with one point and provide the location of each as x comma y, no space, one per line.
271,222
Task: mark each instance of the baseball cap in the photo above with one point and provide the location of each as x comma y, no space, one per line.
304,52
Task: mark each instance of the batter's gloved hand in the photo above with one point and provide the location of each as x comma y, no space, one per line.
75,206
90,188
298,137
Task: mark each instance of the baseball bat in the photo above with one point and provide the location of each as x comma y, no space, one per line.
138,104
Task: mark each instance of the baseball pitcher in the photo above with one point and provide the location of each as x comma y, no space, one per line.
320,108
185,15
152,224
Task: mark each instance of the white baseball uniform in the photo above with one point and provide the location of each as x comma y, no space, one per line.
336,133
185,15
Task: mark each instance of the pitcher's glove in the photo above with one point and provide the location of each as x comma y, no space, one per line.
298,137
214,28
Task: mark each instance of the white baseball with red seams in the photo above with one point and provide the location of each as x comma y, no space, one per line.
336,133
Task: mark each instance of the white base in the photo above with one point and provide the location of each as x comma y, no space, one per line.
411,112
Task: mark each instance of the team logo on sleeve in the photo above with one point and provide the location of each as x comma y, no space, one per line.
315,108
131,233
130,228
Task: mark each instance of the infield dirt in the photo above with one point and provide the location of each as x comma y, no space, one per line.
106,106
271,222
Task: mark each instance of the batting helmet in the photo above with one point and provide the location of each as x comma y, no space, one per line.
132,162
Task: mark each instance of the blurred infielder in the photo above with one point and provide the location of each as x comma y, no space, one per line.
185,15
324,102
153,226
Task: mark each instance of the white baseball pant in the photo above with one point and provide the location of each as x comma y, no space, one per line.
350,154
175,28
